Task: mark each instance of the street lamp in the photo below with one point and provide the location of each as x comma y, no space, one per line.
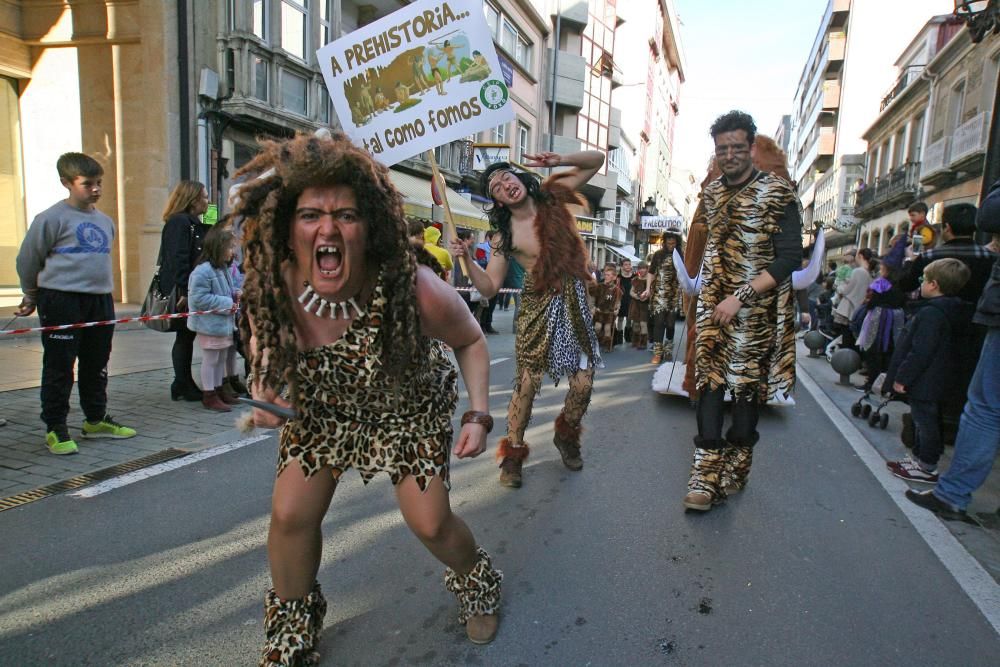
981,17
649,208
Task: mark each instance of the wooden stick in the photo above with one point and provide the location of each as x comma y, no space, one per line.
442,188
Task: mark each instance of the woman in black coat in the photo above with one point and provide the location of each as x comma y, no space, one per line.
180,246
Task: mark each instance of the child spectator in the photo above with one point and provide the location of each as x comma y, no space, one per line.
211,287
65,269
883,318
607,300
638,313
922,366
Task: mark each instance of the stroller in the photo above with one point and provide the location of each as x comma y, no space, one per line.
873,402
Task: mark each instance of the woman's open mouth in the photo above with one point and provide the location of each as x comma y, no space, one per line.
329,261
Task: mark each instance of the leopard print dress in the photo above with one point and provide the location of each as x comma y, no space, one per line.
754,356
353,415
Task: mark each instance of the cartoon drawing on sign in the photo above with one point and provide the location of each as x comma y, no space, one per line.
478,70
446,58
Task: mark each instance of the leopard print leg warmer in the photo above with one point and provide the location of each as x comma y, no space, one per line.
292,628
478,592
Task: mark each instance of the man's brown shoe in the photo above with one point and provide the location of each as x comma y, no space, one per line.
482,629
511,459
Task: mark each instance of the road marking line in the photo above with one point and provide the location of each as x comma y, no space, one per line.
977,583
166,466
494,362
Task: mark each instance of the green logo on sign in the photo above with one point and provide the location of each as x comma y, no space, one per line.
494,94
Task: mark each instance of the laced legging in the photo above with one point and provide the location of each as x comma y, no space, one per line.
581,385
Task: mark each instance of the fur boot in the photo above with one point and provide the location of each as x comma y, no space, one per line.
567,441
511,459
478,594
292,628
657,354
737,469
704,490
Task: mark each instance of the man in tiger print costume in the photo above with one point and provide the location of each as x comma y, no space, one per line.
745,316
665,297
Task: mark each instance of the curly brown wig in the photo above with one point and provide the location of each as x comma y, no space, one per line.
268,205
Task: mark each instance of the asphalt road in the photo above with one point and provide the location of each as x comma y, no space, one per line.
812,565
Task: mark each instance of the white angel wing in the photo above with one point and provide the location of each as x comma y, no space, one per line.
691,286
802,278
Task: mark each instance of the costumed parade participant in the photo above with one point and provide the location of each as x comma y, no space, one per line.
638,309
555,332
607,302
745,316
665,293
346,325
767,156
623,324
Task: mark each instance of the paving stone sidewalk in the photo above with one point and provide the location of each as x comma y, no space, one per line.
140,400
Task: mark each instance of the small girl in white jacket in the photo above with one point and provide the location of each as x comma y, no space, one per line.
211,287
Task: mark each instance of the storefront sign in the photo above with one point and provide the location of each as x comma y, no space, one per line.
674,223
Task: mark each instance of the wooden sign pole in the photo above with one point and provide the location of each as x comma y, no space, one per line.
442,188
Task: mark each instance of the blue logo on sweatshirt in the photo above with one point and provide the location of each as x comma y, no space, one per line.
90,239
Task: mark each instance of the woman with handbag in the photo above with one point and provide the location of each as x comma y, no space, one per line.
180,246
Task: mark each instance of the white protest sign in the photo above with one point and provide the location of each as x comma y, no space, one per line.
418,78
671,222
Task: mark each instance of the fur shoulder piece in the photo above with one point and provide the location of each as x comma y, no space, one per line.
561,250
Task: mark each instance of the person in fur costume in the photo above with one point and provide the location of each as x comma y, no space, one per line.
745,343
665,296
607,302
767,156
638,309
555,331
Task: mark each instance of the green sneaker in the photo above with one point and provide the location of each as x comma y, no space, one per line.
59,442
107,428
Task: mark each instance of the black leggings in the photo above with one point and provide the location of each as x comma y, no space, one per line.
181,354
743,430
664,321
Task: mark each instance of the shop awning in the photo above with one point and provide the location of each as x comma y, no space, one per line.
418,203
624,252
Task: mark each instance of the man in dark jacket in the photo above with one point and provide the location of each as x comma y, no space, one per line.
922,365
979,430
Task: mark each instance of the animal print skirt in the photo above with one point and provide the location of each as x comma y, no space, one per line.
555,330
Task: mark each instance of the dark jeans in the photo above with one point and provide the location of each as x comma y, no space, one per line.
89,348
743,430
813,315
664,322
927,443
486,319
181,354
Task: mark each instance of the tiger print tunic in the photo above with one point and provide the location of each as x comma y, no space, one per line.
353,415
753,356
666,291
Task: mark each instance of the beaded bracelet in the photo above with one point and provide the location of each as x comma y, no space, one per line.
746,294
477,417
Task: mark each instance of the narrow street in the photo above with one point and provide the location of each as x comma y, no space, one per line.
813,564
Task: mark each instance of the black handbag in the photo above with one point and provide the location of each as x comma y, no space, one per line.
158,303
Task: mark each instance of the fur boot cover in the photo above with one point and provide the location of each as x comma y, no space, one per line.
566,433
507,450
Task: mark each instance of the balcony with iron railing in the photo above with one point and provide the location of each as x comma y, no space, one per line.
969,140
906,77
897,187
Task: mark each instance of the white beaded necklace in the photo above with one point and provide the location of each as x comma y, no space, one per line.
310,299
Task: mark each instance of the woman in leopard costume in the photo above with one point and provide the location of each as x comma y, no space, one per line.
347,330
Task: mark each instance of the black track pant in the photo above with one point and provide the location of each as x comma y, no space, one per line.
91,347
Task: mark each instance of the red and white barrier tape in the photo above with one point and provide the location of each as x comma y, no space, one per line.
141,318
173,316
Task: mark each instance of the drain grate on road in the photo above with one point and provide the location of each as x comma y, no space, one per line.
89,478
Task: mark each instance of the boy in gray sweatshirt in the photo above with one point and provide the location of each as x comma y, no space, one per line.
65,269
